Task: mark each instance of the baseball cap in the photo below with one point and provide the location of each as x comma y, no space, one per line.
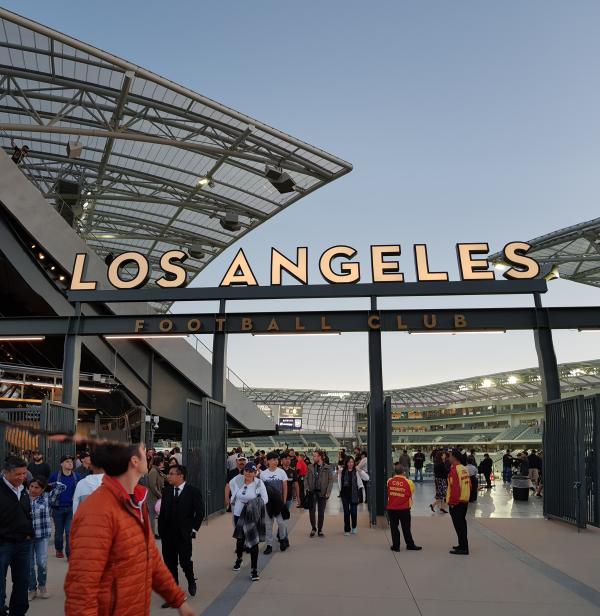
241,456
63,458
250,467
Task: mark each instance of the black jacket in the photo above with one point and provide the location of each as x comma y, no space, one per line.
15,515
486,466
183,515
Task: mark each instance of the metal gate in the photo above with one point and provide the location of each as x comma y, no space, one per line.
204,450
571,467
50,417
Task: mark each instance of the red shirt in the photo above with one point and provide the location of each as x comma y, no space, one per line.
301,467
399,492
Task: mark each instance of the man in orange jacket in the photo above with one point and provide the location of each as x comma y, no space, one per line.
400,491
457,497
114,563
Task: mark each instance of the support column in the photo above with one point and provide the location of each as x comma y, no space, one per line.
545,352
72,362
377,423
219,359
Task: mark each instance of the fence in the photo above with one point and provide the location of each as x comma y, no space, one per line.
571,465
48,417
204,450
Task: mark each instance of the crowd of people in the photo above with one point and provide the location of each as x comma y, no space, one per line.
94,501
136,497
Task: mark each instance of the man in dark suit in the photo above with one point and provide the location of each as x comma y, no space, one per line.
181,514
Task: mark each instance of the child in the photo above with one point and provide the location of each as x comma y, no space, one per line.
41,501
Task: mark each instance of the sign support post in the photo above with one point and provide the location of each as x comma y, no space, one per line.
72,361
544,346
377,421
219,358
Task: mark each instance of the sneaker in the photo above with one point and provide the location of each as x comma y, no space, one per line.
60,554
346,534
268,550
238,564
313,532
32,595
254,576
354,531
42,593
321,533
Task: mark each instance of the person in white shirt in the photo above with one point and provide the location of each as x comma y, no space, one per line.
276,479
248,494
88,485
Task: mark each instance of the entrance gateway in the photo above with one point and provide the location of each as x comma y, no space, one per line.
522,277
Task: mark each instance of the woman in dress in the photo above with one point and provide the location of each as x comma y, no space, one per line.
440,475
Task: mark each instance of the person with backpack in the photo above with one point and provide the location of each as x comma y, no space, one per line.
62,510
457,497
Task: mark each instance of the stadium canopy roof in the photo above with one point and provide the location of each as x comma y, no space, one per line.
160,165
524,383
574,250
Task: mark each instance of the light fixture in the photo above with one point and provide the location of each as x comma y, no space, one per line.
553,274
42,256
205,181
86,205
280,180
74,149
33,246
512,380
52,268
98,390
143,336
22,338
487,383
61,278
231,221
500,266
196,251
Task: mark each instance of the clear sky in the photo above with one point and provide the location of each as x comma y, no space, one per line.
465,121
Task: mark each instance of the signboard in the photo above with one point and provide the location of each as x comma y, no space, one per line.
290,423
337,265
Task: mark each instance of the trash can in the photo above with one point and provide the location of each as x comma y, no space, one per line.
520,487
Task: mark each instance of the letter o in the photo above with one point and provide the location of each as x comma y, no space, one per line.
139,280
166,325
194,325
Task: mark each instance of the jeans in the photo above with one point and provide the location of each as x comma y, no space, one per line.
418,473
38,555
319,503
62,517
15,556
281,528
350,512
506,474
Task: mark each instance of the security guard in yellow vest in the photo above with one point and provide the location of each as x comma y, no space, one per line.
457,497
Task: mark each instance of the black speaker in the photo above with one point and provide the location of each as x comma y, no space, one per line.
67,197
279,180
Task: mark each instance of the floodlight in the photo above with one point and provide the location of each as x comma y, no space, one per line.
74,149
279,179
196,251
231,221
